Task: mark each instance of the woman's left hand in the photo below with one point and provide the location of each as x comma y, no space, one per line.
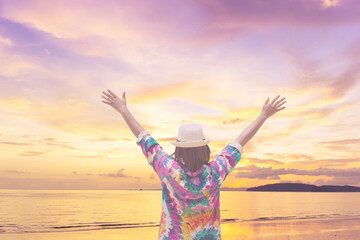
114,101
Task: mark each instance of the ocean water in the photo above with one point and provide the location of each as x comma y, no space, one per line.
70,210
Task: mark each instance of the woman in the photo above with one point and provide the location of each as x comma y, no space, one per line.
190,183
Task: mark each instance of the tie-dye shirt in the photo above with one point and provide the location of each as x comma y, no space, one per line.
190,200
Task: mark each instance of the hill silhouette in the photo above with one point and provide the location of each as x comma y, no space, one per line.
302,187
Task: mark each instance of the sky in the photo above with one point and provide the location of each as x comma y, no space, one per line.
212,62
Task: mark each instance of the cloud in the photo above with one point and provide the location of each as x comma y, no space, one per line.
5,41
232,121
61,114
119,174
52,52
191,23
273,177
350,175
87,156
323,72
32,153
289,156
103,139
326,110
349,145
16,143
264,161
184,89
311,162
252,171
65,114
41,64
305,118
52,141
325,162
342,141
13,172
236,14
340,180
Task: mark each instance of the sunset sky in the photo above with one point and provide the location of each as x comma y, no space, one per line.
212,62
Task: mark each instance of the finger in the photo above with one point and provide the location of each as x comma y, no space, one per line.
274,99
123,95
106,98
112,94
278,101
108,95
277,104
280,104
106,102
281,108
267,100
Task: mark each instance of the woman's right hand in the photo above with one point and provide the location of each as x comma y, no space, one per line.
114,101
271,108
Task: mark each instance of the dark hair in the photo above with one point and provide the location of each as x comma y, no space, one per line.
192,158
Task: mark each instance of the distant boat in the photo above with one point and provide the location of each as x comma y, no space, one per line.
302,187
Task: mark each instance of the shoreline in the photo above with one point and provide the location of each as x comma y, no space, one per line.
296,229
262,220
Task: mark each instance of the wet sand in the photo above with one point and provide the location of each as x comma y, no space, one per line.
307,229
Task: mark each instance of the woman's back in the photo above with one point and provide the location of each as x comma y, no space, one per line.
190,200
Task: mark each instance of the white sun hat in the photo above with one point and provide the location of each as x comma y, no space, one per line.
190,135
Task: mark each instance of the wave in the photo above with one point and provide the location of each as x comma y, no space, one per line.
317,216
13,228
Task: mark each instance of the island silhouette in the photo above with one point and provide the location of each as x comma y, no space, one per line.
302,187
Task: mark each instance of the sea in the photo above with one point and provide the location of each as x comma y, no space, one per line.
33,211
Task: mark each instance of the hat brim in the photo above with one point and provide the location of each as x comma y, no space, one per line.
190,144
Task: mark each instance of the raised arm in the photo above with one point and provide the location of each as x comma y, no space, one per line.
119,104
268,110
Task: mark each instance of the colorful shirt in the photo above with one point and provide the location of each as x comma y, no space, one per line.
190,200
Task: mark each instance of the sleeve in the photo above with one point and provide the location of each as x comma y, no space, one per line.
226,161
153,152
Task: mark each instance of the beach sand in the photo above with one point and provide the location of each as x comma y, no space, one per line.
307,229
